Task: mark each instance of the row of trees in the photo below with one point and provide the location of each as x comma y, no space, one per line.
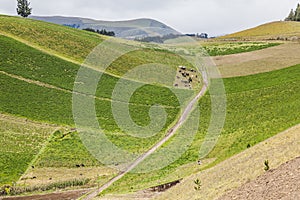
294,15
102,32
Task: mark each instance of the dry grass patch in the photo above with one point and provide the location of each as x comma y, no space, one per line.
281,183
44,176
271,30
239,169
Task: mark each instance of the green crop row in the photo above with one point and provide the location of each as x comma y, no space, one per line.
235,48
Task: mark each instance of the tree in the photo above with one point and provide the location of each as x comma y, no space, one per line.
297,13
23,8
90,30
291,16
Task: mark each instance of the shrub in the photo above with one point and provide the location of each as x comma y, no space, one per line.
267,167
197,184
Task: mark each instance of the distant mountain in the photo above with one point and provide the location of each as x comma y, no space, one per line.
130,29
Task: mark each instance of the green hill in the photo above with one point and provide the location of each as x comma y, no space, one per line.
258,107
38,65
38,73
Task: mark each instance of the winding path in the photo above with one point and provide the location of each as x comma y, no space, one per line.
171,132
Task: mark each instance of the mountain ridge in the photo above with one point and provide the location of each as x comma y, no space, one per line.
129,29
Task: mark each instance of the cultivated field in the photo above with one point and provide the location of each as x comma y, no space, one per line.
255,112
228,48
38,66
270,31
255,62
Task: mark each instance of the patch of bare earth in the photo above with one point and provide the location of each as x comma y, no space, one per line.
281,183
255,62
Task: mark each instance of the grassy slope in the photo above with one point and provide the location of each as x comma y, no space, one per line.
75,45
54,106
242,104
269,30
258,107
239,169
67,42
20,142
228,48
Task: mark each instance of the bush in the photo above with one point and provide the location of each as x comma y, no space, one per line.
267,167
198,184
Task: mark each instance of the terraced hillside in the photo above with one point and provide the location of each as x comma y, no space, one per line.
37,74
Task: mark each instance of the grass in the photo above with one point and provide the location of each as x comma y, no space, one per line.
75,45
22,60
257,109
17,190
273,30
65,150
239,169
219,49
21,142
54,106
49,106
47,175
259,106
71,43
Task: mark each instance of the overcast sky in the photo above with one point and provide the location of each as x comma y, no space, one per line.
215,17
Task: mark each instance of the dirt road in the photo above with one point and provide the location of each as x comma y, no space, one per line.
170,133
